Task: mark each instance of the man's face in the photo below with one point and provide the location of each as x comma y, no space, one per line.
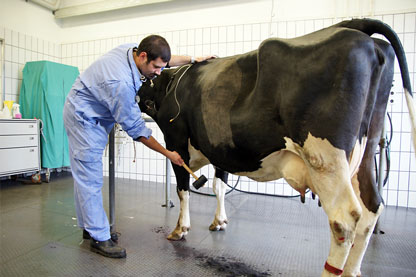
153,68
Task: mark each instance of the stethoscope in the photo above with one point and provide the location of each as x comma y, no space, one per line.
142,78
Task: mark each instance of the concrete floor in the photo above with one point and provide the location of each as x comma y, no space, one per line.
266,236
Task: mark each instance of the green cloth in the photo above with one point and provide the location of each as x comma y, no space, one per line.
44,89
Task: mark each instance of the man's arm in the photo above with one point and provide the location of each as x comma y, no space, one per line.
153,144
181,60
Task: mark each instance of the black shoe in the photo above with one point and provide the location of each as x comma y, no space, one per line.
107,248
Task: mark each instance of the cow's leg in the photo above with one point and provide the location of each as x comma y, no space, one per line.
219,187
365,226
343,212
184,222
366,190
330,176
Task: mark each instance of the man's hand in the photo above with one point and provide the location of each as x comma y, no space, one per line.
175,158
204,58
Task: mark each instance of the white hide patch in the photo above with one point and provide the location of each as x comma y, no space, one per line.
295,164
289,163
357,156
282,164
220,220
196,158
184,218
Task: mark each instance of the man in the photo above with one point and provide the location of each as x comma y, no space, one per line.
102,95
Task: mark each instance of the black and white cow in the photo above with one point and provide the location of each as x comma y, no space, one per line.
308,109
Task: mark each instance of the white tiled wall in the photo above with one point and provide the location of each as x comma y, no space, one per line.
19,49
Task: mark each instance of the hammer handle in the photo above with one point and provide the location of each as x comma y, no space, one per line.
190,171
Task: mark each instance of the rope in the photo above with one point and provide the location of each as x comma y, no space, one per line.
177,84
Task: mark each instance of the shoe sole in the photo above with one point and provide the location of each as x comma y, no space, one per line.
116,256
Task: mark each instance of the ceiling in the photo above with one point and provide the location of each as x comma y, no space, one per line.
71,8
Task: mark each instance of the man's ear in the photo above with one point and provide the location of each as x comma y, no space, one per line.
143,56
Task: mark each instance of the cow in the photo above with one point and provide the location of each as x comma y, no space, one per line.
308,109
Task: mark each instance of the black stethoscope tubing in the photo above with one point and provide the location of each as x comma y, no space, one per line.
131,70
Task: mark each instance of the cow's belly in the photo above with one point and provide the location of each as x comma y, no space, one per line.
282,164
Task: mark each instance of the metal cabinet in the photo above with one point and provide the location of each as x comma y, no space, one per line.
19,146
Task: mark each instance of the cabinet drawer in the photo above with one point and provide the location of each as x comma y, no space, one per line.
16,160
18,128
18,141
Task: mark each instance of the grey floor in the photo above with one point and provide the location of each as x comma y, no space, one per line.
266,236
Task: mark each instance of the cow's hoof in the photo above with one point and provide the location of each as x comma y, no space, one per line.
214,227
175,236
218,225
223,226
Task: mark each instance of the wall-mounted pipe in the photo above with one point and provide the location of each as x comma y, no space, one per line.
2,73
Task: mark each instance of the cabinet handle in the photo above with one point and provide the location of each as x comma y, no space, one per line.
31,138
32,150
31,126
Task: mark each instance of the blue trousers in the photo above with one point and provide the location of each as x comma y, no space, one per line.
86,141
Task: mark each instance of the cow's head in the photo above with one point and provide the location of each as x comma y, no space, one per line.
152,93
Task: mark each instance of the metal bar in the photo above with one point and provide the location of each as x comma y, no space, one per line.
381,166
111,180
2,73
168,202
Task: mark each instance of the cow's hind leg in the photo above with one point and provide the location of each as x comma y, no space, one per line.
366,190
343,212
219,187
330,176
365,226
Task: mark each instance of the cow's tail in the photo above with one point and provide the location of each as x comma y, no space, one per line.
372,26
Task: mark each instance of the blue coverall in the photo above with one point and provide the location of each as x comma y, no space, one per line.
102,95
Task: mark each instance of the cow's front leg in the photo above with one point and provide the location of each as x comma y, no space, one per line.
184,222
219,187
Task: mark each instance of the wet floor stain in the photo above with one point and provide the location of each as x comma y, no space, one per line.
222,265
161,229
231,267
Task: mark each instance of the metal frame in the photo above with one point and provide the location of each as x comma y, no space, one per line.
111,182
2,73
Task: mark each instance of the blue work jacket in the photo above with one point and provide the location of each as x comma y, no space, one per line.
102,95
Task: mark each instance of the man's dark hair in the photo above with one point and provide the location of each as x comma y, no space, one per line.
155,46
